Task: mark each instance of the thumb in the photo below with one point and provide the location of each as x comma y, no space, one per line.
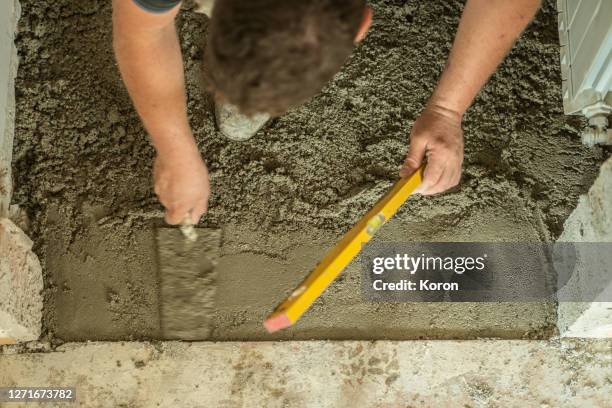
414,157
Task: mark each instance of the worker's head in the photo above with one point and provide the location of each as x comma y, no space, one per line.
271,55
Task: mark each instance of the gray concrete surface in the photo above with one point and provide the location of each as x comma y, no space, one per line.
21,285
483,373
9,14
591,221
284,197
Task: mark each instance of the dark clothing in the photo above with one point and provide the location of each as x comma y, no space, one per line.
157,6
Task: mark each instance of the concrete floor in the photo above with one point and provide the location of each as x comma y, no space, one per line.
320,374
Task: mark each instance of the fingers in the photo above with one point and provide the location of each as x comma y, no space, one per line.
431,177
439,138
440,175
198,211
415,156
183,213
455,177
183,188
176,214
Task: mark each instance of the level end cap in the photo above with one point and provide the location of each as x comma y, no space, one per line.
277,322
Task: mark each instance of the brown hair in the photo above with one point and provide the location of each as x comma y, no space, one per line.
270,55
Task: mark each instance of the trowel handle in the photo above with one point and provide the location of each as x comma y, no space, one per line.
188,229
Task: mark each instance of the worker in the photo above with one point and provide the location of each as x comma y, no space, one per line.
266,56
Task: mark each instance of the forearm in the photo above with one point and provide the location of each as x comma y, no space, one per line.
150,62
486,33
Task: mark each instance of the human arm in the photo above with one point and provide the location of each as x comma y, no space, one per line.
149,56
486,33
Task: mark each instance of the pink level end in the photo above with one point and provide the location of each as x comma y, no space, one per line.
277,322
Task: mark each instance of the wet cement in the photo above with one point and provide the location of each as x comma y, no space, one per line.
83,172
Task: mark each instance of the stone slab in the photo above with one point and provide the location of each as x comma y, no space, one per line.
323,374
21,286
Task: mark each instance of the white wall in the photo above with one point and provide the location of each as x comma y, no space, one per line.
9,14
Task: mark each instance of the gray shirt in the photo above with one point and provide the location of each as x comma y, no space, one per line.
157,6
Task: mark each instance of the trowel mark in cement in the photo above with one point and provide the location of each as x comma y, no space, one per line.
188,282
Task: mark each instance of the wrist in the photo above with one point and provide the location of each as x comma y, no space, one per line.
176,146
445,101
446,108
184,156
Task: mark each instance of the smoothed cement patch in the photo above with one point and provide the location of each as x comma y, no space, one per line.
109,287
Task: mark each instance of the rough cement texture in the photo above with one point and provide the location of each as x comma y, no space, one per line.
83,173
591,221
9,14
469,374
21,286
